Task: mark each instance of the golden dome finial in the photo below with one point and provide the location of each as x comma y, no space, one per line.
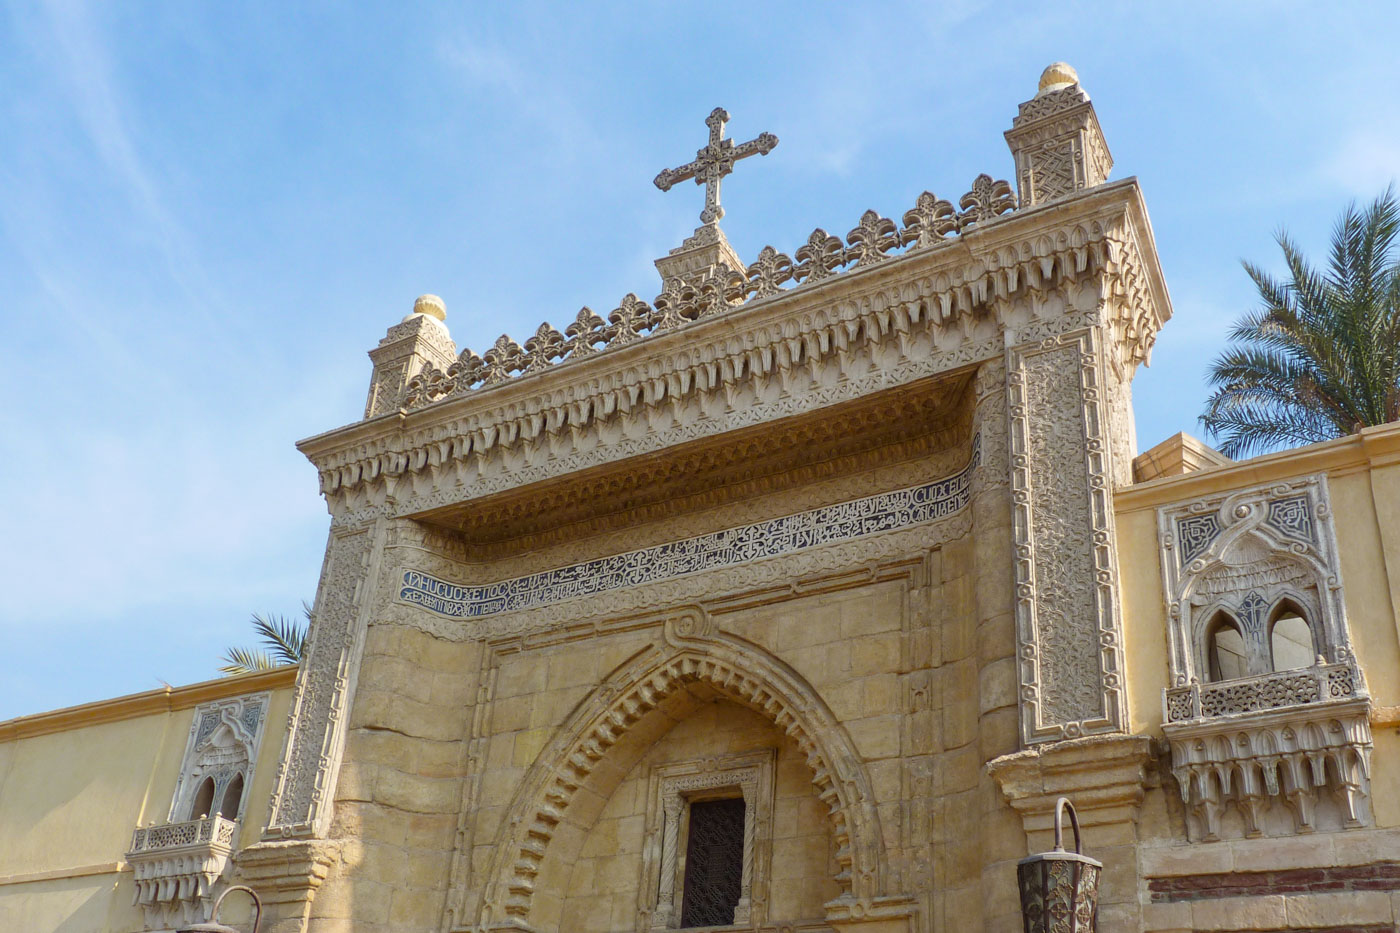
431,305
1057,77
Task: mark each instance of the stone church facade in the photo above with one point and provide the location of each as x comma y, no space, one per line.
792,599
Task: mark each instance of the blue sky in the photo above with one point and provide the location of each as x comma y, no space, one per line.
209,212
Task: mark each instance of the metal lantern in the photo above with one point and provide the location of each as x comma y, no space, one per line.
214,926
1059,889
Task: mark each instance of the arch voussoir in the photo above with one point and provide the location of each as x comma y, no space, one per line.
737,670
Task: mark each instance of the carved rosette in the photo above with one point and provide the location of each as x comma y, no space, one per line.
1068,630
301,802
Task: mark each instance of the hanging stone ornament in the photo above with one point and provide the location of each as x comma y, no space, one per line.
1059,889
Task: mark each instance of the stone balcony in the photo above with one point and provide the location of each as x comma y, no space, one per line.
1279,753
176,867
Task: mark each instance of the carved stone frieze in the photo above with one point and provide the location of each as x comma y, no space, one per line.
688,298
925,312
1069,634
845,521
808,559
301,800
892,426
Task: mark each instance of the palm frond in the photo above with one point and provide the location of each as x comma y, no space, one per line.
244,661
1320,356
283,639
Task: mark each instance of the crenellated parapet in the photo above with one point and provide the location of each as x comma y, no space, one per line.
901,317
929,223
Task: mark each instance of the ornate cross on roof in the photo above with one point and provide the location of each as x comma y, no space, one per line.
714,162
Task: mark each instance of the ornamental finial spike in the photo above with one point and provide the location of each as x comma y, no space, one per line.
1057,77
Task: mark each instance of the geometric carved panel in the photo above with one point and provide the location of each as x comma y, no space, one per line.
1066,603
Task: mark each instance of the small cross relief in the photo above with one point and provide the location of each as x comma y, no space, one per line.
715,161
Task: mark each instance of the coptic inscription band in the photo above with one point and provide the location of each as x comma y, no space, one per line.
886,511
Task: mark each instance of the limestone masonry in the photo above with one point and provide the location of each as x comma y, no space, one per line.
789,599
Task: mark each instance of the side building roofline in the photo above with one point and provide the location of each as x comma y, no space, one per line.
1368,448
163,700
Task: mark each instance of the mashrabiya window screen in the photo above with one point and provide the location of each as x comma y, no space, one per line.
714,863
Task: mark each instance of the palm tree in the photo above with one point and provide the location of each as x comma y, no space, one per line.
283,639
1321,358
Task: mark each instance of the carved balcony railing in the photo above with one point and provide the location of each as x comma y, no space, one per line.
1278,690
215,829
176,868
931,221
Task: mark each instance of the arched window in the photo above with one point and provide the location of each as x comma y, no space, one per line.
204,800
1291,639
233,796
1226,651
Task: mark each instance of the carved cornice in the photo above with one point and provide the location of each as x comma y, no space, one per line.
925,312
885,428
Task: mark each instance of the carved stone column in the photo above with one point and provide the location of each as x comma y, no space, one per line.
1068,631
418,341
1056,140
670,840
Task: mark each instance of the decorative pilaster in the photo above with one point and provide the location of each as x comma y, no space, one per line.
1056,140
301,802
670,845
417,342
1068,631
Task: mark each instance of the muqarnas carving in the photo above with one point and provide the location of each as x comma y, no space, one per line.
1268,714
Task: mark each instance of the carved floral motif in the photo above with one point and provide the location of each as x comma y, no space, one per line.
1069,634
883,512
930,221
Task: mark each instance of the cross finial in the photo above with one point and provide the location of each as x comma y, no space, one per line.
715,161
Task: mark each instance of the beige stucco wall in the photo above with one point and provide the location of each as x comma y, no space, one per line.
74,785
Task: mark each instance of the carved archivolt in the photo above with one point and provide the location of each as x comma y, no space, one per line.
743,673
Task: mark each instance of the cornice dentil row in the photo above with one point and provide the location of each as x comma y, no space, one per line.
950,299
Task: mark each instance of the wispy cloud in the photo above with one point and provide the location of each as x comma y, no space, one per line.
85,66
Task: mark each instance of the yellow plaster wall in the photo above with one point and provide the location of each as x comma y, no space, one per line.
1363,474
74,785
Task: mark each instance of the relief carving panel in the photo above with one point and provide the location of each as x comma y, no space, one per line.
1066,612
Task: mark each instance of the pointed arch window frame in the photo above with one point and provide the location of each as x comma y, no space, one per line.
670,788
